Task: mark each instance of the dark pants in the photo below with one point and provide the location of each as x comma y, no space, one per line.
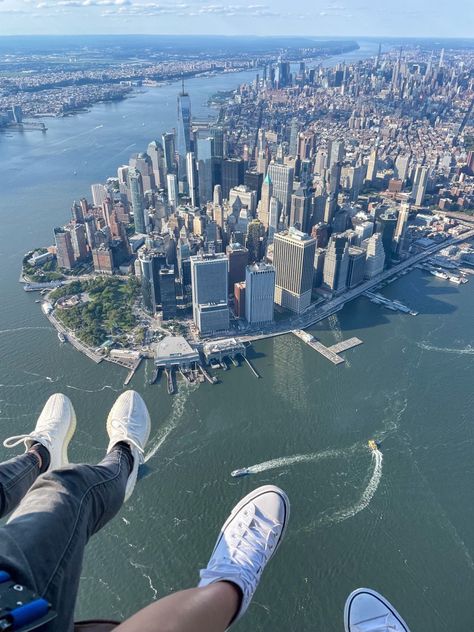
42,545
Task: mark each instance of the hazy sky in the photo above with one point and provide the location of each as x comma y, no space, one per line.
430,18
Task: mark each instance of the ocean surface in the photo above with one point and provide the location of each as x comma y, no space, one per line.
400,521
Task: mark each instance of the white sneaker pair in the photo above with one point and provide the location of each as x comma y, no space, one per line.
128,422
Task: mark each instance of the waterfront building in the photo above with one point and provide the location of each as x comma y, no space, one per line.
356,267
293,258
168,292
239,299
375,258
336,263
175,352
79,242
99,194
183,144
64,249
387,223
281,177
232,174
192,176
209,279
238,260
205,170
400,230
137,199
318,268
259,293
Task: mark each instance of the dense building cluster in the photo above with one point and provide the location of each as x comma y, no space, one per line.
309,182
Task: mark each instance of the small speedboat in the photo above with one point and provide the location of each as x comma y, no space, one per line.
61,336
373,445
243,471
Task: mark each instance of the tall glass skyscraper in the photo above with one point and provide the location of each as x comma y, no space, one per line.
137,199
184,132
204,154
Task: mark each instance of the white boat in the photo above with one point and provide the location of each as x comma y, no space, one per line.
243,471
439,274
61,336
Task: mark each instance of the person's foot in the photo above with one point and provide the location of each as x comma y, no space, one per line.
54,430
247,541
367,611
129,422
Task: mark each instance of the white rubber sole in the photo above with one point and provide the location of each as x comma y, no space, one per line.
69,436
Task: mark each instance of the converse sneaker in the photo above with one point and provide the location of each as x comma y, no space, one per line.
367,611
248,539
54,429
129,421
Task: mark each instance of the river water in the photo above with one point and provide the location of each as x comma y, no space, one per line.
401,522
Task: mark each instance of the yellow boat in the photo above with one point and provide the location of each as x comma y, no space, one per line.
373,445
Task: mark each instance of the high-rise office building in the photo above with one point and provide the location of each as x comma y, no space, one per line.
255,240
336,152
205,169
375,258
241,196
232,174
293,258
318,267
168,292
151,261
183,144
281,177
259,293
64,249
402,164
387,223
400,230
294,131
155,151
79,242
218,142
238,260
172,185
99,194
356,267
264,204
192,176
209,278
300,210
372,166
169,151
239,299
273,218
336,263
254,180
137,199
143,163
420,184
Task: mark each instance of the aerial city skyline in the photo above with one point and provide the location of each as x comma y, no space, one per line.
309,186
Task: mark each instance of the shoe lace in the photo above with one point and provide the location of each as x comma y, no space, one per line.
12,442
250,551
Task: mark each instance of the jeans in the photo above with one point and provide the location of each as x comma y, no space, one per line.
42,545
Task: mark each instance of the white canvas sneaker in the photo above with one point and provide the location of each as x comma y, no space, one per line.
54,429
247,541
129,421
367,611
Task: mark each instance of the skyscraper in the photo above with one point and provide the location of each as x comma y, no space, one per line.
293,258
192,175
293,146
143,163
372,165
387,224
79,242
155,151
183,145
172,186
400,230
64,249
151,261
281,177
137,199
205,172
209,278
356,267
336,152
419,185
169,151
336,263
259,293
255,240
375,258
238,260
168,292
264,204
232,175
218,142
300,210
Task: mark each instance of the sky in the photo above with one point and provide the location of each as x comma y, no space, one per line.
410,18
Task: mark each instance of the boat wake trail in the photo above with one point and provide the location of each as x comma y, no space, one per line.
177,410
18,329
467,351
96,390
284,461
367,495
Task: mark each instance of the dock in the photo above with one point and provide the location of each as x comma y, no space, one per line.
395,306
170,381
251,367
211,379
330,353
132,371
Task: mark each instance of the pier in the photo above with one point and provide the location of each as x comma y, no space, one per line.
132,371
251,367
330,353
211,379
395,306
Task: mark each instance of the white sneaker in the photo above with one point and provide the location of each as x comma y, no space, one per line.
367,611
54,429
129,421
247,541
